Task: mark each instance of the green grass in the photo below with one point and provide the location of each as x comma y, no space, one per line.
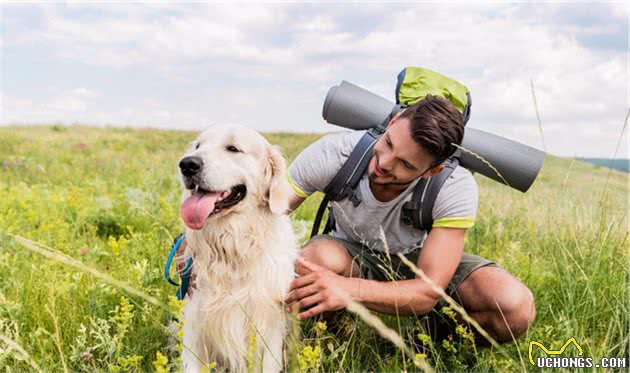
109,199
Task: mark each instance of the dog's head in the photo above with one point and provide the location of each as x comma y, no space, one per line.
231,169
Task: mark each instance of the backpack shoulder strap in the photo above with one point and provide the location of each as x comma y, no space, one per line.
419,210
409,213
343,183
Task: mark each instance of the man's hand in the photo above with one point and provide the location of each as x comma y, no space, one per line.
316,288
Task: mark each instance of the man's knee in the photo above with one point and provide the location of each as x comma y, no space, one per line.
524,313
328,253
517,311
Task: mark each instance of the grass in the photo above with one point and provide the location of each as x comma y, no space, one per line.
104,205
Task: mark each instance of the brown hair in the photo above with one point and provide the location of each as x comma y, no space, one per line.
435,125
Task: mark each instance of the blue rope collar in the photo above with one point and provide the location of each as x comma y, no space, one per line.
184,275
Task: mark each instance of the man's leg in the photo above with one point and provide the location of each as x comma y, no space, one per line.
332,254
500,303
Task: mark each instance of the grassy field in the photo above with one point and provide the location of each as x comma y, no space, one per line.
104,203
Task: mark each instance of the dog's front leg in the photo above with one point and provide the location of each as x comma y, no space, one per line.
272,350
192,339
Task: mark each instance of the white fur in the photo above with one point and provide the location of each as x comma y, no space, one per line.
243,257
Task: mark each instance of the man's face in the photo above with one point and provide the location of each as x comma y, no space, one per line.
397,158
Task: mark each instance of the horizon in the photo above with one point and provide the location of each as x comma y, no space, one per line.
270,132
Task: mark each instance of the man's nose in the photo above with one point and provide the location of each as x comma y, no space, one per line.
190,165
386,162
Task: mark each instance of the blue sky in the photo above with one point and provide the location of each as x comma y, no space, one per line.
268,66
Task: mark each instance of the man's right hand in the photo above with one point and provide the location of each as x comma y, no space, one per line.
180,263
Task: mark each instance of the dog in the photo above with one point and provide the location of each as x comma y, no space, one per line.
235,204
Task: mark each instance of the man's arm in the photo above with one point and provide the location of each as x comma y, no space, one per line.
438,259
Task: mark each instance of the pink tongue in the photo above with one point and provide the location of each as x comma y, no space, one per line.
196,208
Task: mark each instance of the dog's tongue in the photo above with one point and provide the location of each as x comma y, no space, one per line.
196,208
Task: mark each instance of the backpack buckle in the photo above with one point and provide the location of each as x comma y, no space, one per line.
354,199
407,212
379,130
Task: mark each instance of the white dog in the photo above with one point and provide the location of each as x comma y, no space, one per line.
243,249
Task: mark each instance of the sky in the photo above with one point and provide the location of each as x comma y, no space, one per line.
269,66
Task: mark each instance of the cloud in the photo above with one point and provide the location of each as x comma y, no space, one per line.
269,65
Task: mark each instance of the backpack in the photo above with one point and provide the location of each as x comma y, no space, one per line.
413,84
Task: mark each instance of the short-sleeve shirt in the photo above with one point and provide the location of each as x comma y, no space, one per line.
312,170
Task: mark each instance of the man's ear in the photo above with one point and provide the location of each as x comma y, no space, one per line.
435,170
279,189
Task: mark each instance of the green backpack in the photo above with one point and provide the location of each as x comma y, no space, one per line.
413,85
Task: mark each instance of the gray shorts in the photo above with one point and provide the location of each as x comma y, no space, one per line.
376,265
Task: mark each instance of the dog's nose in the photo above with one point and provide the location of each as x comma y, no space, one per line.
190,165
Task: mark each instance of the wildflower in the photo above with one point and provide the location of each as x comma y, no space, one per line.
209,367
465,333
122,317
160,362
176,307
424,339
449,346
251,350
113,245
127,364
309,358
83,251
448,311
320,328
419,357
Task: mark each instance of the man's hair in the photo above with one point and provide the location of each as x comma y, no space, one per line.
435,125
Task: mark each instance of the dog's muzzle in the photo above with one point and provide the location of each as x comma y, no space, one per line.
190,166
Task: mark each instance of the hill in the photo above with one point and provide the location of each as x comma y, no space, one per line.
615,164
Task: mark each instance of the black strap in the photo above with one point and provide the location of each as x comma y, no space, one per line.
330,222
409,213
343,183
466,112
435,184
319,215
418,211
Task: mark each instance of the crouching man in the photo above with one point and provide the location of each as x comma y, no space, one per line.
354,257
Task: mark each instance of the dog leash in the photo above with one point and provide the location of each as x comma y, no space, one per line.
185,274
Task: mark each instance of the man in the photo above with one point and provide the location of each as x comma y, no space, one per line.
354,258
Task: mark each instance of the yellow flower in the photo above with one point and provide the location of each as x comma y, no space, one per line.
448,311
424,339
465,333
160,363
320,328
448,346
208,368
309,358
419,357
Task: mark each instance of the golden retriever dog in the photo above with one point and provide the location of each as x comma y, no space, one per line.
234,206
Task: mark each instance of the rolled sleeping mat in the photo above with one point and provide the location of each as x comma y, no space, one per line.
515,164
351,106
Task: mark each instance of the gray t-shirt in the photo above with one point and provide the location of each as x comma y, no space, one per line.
455,205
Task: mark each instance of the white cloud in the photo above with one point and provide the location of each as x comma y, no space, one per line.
270,65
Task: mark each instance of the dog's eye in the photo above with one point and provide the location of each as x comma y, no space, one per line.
198,145
232,148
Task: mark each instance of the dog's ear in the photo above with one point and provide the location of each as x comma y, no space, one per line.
279,189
